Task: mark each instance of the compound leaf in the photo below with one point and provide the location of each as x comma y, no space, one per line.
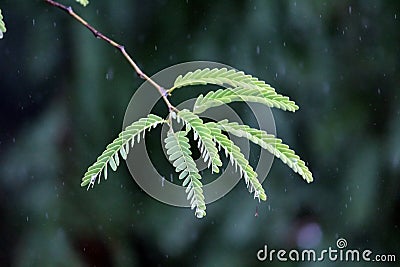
207,146
179,154
237,158
225,96
271,143
119,145
235,79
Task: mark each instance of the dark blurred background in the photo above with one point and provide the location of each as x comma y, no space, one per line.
63,98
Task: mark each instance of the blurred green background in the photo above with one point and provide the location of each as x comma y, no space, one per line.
63,98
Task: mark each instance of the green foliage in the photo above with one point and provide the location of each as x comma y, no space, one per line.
121,144
208,135
83,2
2,26
226,96
271,143
236,158
206,144
244,84
179,154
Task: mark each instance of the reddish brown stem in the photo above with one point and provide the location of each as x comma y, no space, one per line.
120,47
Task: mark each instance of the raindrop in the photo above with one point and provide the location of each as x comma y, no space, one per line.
54,24
395,16
379,91
171,178
350,198
350,10
258,49
284,44
27,219
109,74
155,48
162,181
33,22
326,87
395,160
47,216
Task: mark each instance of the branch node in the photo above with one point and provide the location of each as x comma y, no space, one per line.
164,92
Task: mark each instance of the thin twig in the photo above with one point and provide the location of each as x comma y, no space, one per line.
99,35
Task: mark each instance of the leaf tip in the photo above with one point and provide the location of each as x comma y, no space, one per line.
200,213
263,196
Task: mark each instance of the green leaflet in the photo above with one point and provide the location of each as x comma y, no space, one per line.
234,78
236,158
208,149
179,154
83,2
257,95
271,143
2,26
121,144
